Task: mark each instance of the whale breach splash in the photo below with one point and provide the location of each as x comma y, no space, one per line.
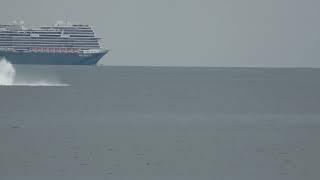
7,73
8,77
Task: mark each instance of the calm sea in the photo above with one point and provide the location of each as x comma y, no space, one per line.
161,123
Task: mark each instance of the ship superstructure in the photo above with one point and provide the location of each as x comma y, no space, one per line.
60,44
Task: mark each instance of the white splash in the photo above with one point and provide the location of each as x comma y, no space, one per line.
8,77
7,73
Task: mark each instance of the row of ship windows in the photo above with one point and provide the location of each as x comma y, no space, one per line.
48,41
85,47
48,29
47,32
55,49
29,35
66,28
1,46
52,46
28,43
45,44
44,32
46,35
37,36
50,32
59,29
20,45
49,36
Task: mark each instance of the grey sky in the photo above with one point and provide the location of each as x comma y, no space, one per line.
189,32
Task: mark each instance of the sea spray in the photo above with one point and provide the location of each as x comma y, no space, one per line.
7,72
8,77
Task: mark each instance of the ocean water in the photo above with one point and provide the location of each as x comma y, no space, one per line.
160,123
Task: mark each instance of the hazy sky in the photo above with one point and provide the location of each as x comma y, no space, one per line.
189,32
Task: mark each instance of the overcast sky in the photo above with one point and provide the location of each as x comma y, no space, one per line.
189,32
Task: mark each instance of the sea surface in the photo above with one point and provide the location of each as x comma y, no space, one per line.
167,123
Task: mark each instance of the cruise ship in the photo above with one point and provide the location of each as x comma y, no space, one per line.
60,44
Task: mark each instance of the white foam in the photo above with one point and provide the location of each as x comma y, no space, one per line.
7,73
8,77
39,84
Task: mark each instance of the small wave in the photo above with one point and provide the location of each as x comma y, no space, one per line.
8,77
